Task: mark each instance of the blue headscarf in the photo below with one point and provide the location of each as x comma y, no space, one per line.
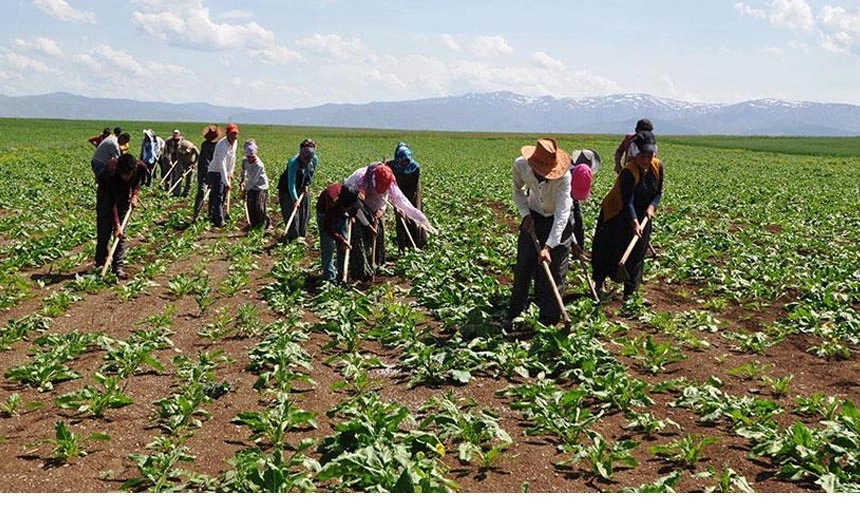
403,162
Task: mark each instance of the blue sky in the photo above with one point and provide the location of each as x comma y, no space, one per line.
271,54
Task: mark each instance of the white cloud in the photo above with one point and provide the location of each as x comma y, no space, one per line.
117,65
835,29
544,60
333,45
275,55
61,10
186,23
488,46
746,10
41,45
796,15
236,14
841,29
449,42
15,62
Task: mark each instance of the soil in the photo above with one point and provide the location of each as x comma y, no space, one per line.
528,462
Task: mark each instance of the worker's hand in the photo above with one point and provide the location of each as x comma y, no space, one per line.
378,214
650,211
134,201
545,256
637,229
528,224
117,232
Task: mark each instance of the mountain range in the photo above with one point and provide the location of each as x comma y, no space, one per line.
480,112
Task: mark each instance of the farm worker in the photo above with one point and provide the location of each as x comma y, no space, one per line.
625,153
255,186
580,190
96,140
151,148
107,150
375,184
220,174
211,136
334,207
406,173
118,189
297,176
636,194
541,192
188,156
171,160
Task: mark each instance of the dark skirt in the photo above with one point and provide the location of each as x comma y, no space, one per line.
257,209
410,185
361,254
611,239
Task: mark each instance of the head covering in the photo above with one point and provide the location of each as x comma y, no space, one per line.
403,161
308,143
211,132
186,146
383,176
250,147
106,132
126,163
644,125
546,159
177,133
580,182
587,156
117,130
232,127
645,142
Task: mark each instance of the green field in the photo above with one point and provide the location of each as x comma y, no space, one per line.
743,375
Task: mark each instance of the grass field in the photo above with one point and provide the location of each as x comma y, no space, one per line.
220,366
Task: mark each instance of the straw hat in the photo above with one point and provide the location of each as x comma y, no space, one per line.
587,156
212,132
546,159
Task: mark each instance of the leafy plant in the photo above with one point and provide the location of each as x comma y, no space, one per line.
67,445
603,458
687,450
91,400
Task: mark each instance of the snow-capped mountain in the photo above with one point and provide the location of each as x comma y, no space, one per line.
489,112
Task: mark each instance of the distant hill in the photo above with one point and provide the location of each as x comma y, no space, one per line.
489,112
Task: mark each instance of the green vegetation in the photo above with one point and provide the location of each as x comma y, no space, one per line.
757,251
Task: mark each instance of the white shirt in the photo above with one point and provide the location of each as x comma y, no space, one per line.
224,160
547,198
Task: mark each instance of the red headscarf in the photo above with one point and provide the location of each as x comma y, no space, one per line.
384,177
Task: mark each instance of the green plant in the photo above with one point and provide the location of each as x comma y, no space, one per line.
603,458
160,470
272,424
478,434
647,423
67,445
750,371
687,450
91,400
779,385
727,481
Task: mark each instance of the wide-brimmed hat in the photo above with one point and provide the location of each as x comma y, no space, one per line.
546,159
587,156
212,132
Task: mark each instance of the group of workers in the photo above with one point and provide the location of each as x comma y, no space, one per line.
548,186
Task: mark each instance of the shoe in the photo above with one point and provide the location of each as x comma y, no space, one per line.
120,274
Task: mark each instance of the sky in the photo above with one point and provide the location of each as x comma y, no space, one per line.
282,54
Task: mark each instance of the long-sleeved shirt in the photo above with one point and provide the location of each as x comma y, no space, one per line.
224,160
116,191
297,176
254,175
330,207
107,149
362,182
547,197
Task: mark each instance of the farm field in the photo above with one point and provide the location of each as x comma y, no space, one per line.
221,365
